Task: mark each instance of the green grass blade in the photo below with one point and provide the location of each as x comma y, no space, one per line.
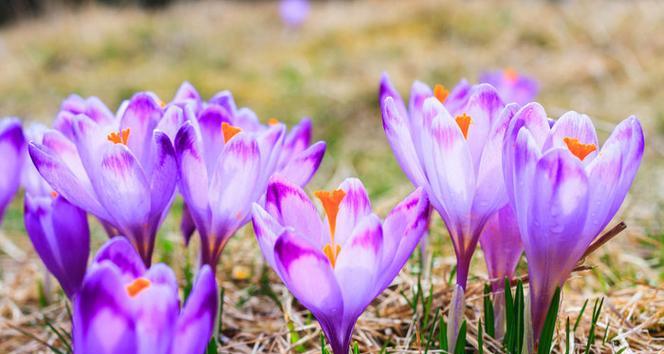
431,331
578,319
442,335
509,316
489,321
546,337
519,300
460,347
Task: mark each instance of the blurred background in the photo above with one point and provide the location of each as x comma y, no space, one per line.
605,59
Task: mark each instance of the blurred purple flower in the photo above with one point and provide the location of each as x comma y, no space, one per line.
59,233
294,12
336,271
12,150
450,143
242,163
121,169
511,86
125,308
564,190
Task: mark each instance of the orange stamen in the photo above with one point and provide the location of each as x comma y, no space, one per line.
464,121
138,285
511,75
119,137
54,194
440,92
579,149
331,201
229,131
273,121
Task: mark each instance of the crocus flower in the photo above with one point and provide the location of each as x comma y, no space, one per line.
122,171
294,12
564,190
450,143
60,234
511,85
226,158
501,244
12,150
123,307
336,270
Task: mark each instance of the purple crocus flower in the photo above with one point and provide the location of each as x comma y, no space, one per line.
511,86
337,270
123,307
59,233
226,157
122,170
454,150
12,150
564,190
294,12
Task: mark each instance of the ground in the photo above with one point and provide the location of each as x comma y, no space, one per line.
605,59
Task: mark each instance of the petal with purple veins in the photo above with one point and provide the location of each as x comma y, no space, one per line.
303,165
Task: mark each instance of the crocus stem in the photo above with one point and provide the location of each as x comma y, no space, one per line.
455,316
499,314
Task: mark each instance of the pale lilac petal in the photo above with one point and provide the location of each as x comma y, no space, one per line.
163,175
484,107
604,174
294,12
501,244
292,208
553,239
385,90
123,256
197,321
141,117
156,310
102,321
402,231
210,121
233,186
576,126
353,208
12,151
297,140
187,92
397,130
356,267
448,165
247,119
303,166
309,276
270,143
458,97
225,100
171,122
266,229
193,173
418,95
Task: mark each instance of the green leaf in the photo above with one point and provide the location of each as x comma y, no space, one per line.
597,309
295,337
212,346
323,347
356,348
431,331
510,328
578,319
546,337
442,335
489,321
519,307
460,347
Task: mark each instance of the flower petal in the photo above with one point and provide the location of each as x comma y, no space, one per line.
171,121
266,229
193,174
385,90
102,321
156,310
197,321
187,92
573,125
141,117
210,121
163,175
292,208
309,276
122,255
484,106
604,174
501,244
303,165
402,231
356,268
397,130
12,150
353,208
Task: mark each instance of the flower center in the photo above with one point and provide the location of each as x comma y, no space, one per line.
579,149
511,75
441,93
464,121
138,285
229,131
120,137
331,201
272,121
54,194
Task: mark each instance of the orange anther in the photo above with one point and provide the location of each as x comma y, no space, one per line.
332,253
579,149
331,201
138,285
440,92
54,194
272,121
119,137
464,121
229,131
511,75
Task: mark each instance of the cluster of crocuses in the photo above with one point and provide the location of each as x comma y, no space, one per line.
494,166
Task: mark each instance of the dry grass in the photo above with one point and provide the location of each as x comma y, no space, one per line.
604,59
